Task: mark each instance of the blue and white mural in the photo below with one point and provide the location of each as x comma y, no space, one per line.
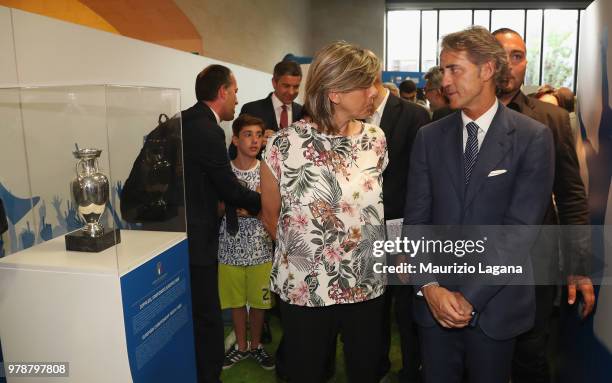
66,219
587,343
16,208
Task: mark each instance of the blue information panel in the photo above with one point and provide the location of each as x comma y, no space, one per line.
397,77
158,326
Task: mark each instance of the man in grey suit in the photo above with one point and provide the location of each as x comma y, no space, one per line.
482,165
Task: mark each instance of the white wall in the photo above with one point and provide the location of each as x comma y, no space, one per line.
8,70
53,52
40,51
47,51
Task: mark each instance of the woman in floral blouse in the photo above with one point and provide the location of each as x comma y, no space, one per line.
322,201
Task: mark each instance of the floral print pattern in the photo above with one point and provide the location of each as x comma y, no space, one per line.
331,213
251,245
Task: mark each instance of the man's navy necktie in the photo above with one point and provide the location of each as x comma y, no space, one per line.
471,151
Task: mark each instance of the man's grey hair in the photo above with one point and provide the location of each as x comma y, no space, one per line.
481,46
434,76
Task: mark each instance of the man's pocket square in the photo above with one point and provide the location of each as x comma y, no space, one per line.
497,172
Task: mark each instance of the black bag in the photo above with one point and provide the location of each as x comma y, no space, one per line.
3,221
153,191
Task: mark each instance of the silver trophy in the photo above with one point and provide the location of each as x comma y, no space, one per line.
90,190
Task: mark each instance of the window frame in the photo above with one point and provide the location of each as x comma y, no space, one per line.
490,9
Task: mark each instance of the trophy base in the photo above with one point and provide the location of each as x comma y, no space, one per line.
79,241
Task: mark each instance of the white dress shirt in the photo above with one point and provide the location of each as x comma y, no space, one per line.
278,108
216,116
483,122
375,118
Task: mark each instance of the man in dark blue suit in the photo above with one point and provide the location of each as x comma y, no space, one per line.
400,120
208,180
482,165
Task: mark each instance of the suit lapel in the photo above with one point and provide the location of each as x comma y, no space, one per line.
453,145
524,105
296,112
494,147
271,116
203,108
390,115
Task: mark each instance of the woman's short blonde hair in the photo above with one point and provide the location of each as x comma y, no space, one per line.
337,67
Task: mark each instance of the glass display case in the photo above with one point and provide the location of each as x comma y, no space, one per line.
135,180
91,179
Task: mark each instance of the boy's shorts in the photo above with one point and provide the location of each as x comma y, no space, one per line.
239,285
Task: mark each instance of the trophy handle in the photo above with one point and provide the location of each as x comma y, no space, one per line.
78,166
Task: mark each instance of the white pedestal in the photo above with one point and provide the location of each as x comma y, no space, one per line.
60,306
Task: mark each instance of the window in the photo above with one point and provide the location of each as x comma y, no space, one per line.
482,18
533,42
550,35
512,18
429,46
403,40
559,56
455,20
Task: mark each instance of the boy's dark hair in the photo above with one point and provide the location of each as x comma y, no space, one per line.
246,120
209,80
407,86
287,68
